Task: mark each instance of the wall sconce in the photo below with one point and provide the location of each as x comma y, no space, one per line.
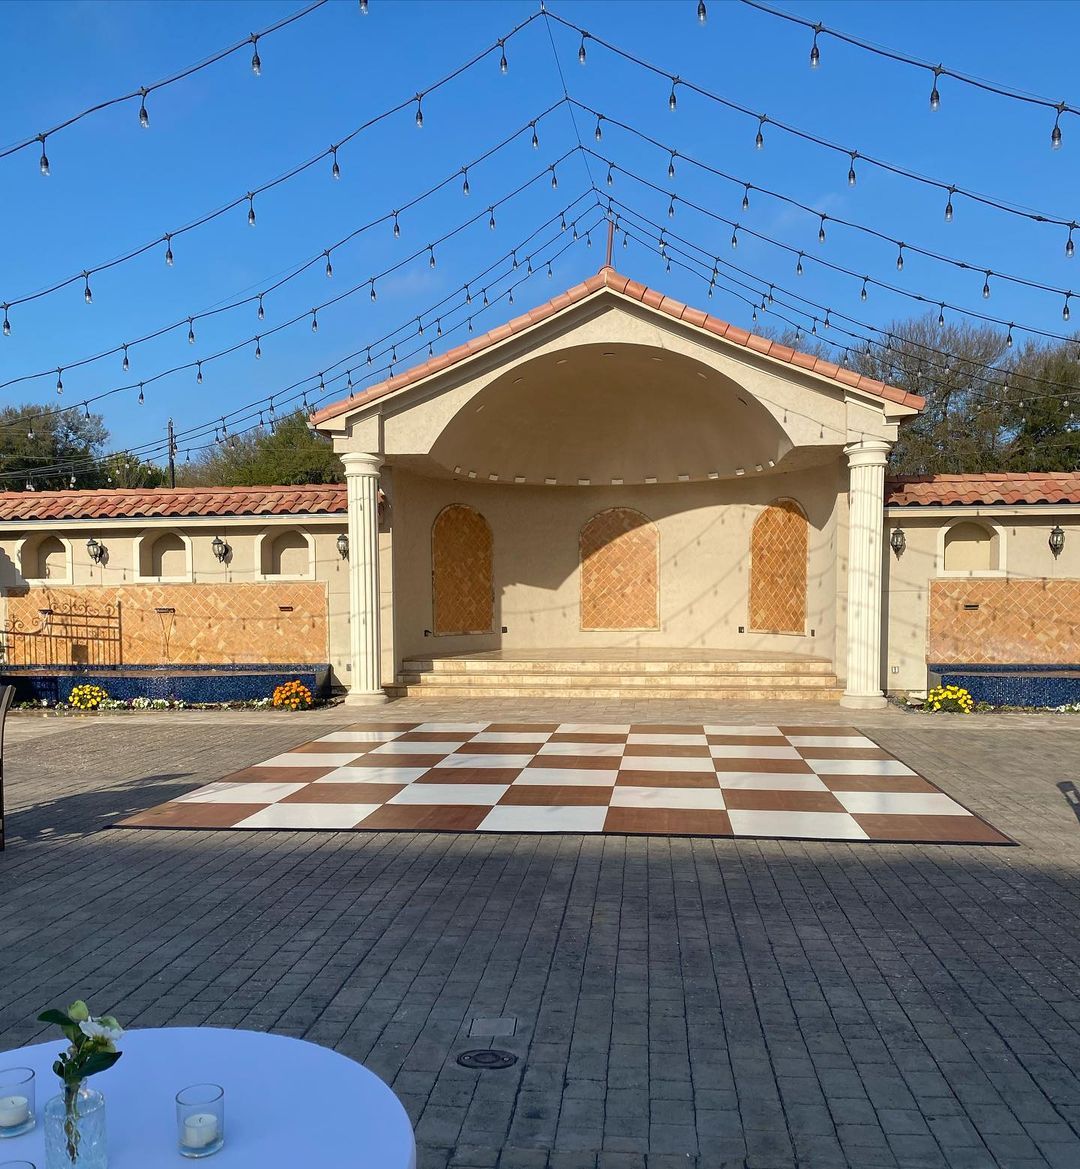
343,546
1057,540
898,541
221,550
97,552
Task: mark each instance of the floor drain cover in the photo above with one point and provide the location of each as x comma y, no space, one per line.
487,1059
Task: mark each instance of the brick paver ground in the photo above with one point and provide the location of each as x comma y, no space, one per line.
678,1001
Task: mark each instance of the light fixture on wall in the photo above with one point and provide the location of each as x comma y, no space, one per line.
97,552
343,546
220,549
897,541
1057,540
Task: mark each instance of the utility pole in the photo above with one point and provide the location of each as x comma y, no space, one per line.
172,456
610,241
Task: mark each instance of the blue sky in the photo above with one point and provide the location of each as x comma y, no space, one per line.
114,186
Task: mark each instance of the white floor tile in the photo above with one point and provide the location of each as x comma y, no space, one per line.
455,727
811,825
826,740
462,760
359,737
737,730
669,740
668,797
724,752
240,793
516,818
373,775
901,803
309,816
399,748
594,728
581,749
310,759
450,793
567,777
770,781
511,737
666,763
859,767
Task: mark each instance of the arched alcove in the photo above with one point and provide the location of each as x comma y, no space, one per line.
969,548
462,588
164,556
620,571
779,544
288,553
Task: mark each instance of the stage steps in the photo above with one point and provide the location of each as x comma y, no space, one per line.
750,678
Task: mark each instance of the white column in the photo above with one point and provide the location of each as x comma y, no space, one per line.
866,526
362,482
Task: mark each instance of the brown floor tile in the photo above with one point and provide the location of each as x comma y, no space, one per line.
628,778
877,783
425,818
818,730
332,748
779,801
664,751
933,829
599,762
786,766
510,728
497,749
343,793
843,753
470,775
538,794
587,737
191,815
380,727
666,729
668,821
278,774
748,740
434,737
389,760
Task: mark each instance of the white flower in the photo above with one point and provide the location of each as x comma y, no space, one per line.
96,1029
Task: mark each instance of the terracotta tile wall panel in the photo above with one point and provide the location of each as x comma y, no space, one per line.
211,624
462,587
620,571
1035,622
778,556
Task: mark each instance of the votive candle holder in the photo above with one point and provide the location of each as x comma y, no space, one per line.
200,1120
16,1101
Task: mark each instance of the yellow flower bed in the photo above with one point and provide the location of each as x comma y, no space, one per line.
950,698
292,696
87,696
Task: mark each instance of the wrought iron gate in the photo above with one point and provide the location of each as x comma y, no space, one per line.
78,635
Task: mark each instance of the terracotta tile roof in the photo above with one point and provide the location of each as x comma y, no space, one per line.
994,487
609,278
126,503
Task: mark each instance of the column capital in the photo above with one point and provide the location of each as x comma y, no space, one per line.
868,452
359,463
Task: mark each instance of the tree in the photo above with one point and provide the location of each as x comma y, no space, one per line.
42,449
287,453
1040,416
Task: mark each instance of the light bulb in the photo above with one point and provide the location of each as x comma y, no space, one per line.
261,313
900,259
431,256
125,365
374,297
941,317
949,210
562,221
144,114
549,271
1070,247
468,295
7,323
43,165
671,166
329,266
191,332
610,176
535,137
256,61
419,113
852,178
504,65
554,180
397,227
735,238
746,198
862,292
1009,338
986,287
759,141
335,170
168,251
935,97
142,396
258,354
815,52
515,260
581,51
510,299
88,296
1065,310
465,181
598,134
198,373
1055,134
702,13
251,210
671,208
798,266
491,218
314,321
821,231
59,381
672,103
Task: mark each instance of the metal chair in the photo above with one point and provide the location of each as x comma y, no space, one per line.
7,695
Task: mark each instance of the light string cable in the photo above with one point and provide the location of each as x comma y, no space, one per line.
248,198
1058,108
952,190
145,90
804,254
363,358
765,296
311,315
822,217
323,255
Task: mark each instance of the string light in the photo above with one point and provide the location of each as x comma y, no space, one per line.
1070,247
504,65
374,296
862,291
251,209
256,63
746,198
554,179
335,170
465,180
43,163
702,12
142,395
7,323
397,227
821,230
59,381
125,365
851,177
986,286
672,102
329,266
431,256
759,141
798,265
198,371
1065,309
735,237
168,250
144,115
671,208
314,320
535,137
900,258
419,111
88,296
1055,134
671,164
261,312
191,332
581,51
598,133
258,354
491,218
610,180
815,52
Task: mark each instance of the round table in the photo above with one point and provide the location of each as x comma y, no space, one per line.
288,1103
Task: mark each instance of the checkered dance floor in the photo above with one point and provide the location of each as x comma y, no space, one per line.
819,783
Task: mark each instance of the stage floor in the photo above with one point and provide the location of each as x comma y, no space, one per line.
776,781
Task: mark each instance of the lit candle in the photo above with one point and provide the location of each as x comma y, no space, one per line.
200,1130
14,1110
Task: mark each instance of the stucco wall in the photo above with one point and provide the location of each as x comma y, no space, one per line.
704,561
1025,555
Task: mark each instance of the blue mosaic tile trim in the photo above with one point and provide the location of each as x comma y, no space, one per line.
1014,685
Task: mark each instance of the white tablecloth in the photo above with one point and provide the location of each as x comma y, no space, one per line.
288,1104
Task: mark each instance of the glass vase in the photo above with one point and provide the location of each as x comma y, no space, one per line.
75,1130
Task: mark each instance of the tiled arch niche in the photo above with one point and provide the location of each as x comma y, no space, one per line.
778,555
462,586
620,572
